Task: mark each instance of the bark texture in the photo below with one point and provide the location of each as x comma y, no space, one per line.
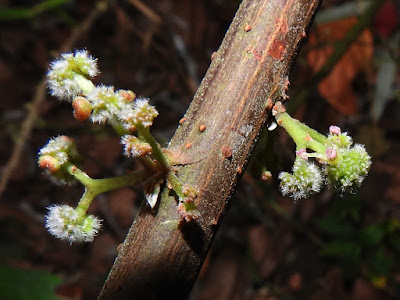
247,75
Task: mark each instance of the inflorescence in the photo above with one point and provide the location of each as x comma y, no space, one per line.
343,165
66,223
70,79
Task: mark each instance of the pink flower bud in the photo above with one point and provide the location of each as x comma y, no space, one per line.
334,130
331,153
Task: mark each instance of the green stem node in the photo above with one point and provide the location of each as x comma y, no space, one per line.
93,187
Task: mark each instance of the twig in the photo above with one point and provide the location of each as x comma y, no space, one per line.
147,11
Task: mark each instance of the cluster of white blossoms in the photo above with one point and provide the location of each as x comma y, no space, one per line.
68,76
65,223
305,180
141,113
60,148
70,79
344,167
57,152
350,171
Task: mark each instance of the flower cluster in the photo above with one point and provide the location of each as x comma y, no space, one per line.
69,78
305,180
344,165
141,113
65,223
349,172
56,154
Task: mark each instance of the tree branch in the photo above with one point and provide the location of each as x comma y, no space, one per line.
248,74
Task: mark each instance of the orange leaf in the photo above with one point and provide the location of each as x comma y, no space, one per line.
336,88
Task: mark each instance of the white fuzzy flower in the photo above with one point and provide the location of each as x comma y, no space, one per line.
106,104
350,171
141,112
305,180
64,222
60,148
68,76
86,63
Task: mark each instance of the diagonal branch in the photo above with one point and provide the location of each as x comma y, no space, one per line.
249,72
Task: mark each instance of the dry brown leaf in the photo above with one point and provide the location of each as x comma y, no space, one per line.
336,88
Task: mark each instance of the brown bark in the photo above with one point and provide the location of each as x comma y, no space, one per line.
158,260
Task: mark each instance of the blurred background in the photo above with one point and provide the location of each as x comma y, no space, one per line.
329,246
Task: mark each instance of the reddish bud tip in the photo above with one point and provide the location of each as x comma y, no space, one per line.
266,176
278,108
82,108
128,95
49,162
334,130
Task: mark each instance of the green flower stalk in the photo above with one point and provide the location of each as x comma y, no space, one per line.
74,224
344,166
